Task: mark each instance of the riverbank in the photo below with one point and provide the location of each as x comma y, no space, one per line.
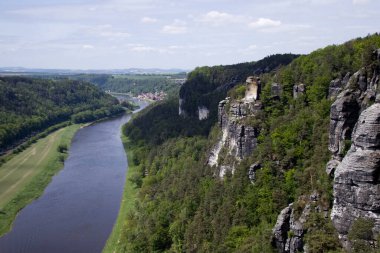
24,177
115,242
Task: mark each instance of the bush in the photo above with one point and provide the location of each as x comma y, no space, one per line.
360,233
62,148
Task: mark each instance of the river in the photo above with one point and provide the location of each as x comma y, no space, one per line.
79,207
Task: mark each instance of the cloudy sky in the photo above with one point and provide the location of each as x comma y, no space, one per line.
107,34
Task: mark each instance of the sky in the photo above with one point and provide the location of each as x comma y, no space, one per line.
118,34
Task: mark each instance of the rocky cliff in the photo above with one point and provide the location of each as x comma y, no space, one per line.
356,181
354,142
355,147
238,137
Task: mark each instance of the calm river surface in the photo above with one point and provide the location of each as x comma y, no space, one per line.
78,209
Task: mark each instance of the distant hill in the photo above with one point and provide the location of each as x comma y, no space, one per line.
21,70
30,105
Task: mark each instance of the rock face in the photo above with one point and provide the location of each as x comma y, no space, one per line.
252,89
289,230
298,90
356,182
252,171
355,147
181,111
239,137
203,112
358,93
337,85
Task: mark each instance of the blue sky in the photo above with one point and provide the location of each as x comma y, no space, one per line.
108,34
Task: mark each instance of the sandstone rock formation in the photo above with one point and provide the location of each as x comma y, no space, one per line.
203,112
289,230
337,85
356,182
239,138
252,89
298,90
358,93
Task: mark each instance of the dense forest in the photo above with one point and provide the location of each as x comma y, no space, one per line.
31,105
183,206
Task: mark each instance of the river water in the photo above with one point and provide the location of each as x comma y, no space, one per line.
78,209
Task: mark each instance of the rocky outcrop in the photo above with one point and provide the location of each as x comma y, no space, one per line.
355,147
356,182
358,93
289,230
252,89
239,137
181,111
252,171
337,85
203,112
298,90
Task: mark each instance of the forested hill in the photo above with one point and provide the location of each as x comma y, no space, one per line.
132,83
186,204
30,105
206,86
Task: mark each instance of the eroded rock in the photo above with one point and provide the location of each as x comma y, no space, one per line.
356,181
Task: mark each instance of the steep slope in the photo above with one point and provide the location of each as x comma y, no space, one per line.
184,204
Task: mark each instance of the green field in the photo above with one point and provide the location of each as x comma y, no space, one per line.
115,242
25,176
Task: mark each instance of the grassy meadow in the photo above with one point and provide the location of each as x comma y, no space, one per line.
25,176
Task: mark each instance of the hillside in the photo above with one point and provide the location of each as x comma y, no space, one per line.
31,105
206,86
133,83
265,188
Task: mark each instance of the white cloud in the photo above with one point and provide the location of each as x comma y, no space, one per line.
142,49
177,27
218,18
357,2
262,23
148,20
88,46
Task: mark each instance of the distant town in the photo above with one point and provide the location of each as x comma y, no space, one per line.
157,96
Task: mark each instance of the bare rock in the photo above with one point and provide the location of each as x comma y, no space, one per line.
356,181
280,230
289,231
298,90
252,171
343,116
331,167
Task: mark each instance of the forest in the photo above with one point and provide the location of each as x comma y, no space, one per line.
132,83
31,105
182,206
